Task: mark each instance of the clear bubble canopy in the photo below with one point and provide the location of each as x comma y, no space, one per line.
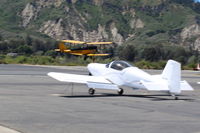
118,65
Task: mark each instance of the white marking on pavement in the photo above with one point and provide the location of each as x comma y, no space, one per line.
7,130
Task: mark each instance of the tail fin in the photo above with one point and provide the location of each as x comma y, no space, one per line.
172,76
62,47
172,73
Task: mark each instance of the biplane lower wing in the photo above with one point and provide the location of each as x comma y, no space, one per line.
98,54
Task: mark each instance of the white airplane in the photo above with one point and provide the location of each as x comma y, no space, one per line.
114,75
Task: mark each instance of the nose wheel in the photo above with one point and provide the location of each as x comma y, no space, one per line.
176,98
91,91
120,91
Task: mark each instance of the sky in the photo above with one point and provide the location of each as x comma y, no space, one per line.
197,0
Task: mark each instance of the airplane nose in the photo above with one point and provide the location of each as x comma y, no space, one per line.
96,69
89,66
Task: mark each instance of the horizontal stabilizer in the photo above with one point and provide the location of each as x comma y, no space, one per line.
155,86
185,86
163,86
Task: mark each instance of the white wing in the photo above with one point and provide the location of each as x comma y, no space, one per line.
74,78
96,82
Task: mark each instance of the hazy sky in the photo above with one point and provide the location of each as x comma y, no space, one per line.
197,0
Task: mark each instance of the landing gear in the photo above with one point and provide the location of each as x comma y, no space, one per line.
176,98
91,91
120,91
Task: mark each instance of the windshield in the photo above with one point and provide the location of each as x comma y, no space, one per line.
119,65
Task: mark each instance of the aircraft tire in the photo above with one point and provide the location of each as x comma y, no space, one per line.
91,91
121,91
176,98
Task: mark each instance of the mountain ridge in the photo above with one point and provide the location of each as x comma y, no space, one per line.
170,22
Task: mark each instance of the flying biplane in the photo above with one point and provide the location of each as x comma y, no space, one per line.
81,48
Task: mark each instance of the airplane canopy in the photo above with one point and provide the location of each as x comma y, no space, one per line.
118,65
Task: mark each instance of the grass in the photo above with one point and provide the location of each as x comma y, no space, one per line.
48,60
79,61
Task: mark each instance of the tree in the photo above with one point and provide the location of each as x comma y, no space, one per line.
28,40
24,49
127,52
1,38
152,53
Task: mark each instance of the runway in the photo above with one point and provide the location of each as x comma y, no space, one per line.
31,102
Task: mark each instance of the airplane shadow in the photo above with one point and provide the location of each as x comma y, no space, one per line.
156,97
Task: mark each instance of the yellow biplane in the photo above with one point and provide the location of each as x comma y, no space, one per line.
81,48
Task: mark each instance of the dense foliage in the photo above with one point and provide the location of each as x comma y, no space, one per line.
155,53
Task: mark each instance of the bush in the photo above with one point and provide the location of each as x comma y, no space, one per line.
127,52
150,65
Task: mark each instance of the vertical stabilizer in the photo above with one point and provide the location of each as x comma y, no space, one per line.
62,46
172,73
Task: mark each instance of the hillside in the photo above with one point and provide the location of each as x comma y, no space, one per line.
135,22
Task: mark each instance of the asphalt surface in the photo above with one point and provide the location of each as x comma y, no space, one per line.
31,102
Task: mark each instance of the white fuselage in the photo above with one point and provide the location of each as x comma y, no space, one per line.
130,76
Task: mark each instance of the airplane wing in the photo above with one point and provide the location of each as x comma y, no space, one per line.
73,41
99,43
98,54
68,50
96,82
57,50
76,54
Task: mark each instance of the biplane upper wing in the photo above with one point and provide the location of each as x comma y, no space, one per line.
73,41
99,43
89,43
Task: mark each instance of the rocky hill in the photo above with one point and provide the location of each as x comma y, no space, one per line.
170,22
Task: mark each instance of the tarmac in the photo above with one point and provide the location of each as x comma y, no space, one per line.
32,102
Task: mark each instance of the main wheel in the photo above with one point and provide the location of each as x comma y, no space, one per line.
91,91
121,91
176,98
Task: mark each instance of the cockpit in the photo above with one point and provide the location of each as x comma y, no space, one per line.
118,65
